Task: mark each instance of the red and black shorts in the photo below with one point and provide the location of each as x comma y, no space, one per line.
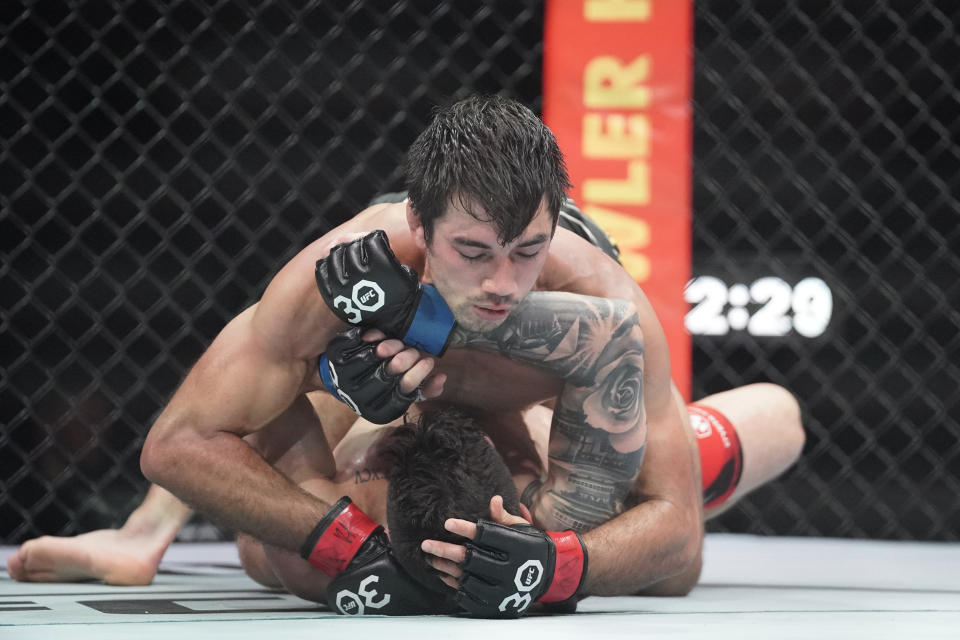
721,457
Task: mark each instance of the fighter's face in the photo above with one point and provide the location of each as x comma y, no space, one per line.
478,277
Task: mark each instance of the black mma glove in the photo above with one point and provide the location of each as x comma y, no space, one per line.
364,284
352,371
506,569
367,579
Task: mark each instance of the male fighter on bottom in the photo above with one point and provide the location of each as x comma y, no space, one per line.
444,465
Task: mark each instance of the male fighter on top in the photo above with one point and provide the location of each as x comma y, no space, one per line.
443,468
486,181
434,483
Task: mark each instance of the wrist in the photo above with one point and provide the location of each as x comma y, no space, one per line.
327,376
337,537
432,323
570,566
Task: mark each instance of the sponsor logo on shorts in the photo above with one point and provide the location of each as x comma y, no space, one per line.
701,426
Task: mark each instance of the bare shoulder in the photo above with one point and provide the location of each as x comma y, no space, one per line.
391,218
577,266
359,451
291,318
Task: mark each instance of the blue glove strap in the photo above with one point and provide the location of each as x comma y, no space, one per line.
324,367
432,324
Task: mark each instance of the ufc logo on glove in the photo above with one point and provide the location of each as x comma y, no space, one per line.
506,569
366,296
355,279
529,575
349,604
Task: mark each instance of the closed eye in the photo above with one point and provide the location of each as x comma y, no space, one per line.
475,258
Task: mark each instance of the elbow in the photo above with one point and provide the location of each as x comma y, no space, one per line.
158,455
688,560
680,584
684,574
689,576
150,464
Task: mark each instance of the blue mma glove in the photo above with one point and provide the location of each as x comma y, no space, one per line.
352,372
364,284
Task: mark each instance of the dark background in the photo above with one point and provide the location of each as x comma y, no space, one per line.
160,161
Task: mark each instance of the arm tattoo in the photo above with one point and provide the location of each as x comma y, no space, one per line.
598,435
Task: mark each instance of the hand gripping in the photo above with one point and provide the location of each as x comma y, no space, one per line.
364,284
506,569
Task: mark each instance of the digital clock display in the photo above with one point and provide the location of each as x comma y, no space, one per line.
769,306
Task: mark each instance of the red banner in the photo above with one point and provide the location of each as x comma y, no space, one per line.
617,77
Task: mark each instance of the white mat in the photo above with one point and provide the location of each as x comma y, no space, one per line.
751,588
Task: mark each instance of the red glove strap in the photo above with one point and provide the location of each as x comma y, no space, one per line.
570,564
341,540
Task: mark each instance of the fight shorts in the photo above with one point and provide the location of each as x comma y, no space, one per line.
721,457
571,219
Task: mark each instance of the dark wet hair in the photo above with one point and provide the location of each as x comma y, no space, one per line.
492,155
441,467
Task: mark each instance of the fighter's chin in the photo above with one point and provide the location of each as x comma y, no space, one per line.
471,320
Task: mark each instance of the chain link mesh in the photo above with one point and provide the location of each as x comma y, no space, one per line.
161,160
826,144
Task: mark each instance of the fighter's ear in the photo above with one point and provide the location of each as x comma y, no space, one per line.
416,226
500,515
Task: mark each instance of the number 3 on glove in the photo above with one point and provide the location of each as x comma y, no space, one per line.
367,579
364,284
506,569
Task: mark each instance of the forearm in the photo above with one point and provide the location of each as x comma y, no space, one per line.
655,545
224,478
654,542
593,460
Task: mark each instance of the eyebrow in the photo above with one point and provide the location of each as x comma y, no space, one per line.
540,238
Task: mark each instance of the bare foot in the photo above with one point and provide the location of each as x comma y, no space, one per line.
112,555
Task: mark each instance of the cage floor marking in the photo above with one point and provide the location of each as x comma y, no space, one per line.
752,587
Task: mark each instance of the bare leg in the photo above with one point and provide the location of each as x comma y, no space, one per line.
126,556
767,420
130,555
255,562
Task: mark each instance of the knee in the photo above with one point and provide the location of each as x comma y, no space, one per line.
789,422
297,575
254,562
